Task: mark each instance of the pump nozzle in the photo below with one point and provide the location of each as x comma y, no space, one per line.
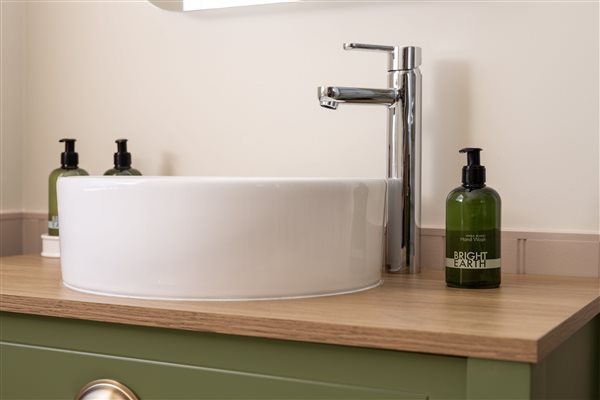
472,155
69,159
473,174
121,145
122,156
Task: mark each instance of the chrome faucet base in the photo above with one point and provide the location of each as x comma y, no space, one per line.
403,98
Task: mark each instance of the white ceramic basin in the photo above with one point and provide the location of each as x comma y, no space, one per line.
220,238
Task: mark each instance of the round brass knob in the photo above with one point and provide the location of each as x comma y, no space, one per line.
105,389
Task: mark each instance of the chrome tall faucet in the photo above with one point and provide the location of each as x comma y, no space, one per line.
403,98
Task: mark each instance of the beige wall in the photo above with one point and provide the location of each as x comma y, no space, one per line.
233,92
12,16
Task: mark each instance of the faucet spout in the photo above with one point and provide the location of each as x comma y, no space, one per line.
331,96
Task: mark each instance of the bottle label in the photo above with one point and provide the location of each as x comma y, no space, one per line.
473,250
53,223
472,260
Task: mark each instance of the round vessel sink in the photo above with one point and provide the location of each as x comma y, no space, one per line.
220,238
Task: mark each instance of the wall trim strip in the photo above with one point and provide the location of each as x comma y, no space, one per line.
546,253
20,232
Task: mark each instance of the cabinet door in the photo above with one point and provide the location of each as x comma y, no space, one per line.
291,369
33,372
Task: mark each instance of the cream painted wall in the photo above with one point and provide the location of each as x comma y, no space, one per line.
233,92
12,16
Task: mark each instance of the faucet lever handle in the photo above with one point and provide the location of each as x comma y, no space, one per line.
362,46
401,58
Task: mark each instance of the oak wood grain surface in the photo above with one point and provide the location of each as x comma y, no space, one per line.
523,320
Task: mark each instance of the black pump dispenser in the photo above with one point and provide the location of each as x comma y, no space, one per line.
473,174
122,159
473,212
122,156
69,159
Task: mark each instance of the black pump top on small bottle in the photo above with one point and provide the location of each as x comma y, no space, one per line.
69,159
122,156
473,174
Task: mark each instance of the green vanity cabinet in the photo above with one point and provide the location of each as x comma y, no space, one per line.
47,358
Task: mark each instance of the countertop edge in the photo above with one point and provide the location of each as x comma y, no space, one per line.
562,332
524,321
511,349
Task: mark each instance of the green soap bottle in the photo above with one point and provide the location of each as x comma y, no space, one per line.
473,229
69,161
122,161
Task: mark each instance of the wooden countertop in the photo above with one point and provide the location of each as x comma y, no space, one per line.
523,320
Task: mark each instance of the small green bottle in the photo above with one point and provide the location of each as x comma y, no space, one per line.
69,161
122,160
473,229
